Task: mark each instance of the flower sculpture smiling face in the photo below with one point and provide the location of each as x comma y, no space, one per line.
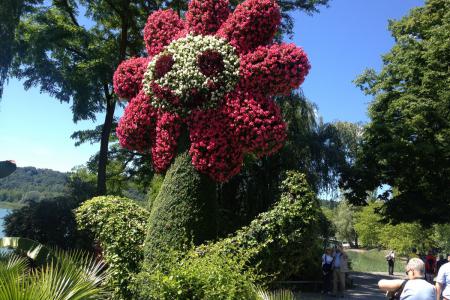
196,71
216,72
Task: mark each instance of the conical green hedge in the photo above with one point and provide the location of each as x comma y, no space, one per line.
184,212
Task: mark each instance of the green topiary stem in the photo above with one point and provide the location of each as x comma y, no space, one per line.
184,212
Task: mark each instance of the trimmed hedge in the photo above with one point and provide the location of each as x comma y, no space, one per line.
184,212
285,240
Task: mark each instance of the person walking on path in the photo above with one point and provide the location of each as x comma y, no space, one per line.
413,288
327,270
443,281
430,266
390,260
340,267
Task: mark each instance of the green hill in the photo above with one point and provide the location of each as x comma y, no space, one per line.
31,184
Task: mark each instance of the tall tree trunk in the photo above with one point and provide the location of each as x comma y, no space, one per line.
104,143
111,105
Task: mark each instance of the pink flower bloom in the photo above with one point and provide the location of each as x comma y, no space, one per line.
128,77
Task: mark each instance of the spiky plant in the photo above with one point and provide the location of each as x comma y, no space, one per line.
70,276
275,295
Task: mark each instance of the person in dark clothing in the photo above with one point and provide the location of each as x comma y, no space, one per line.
391,260
440,262
327,271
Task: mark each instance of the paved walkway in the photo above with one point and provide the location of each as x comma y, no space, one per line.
365,287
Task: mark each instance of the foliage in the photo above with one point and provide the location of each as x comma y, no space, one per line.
182,213
312,147
70,276
7,167
344,221
405,236
196,276
368,224
406,145
283,241
31,184
275,295
32,249
374,261
440,235
153,191
119,226
50,222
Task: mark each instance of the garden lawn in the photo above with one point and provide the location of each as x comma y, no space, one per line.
373,261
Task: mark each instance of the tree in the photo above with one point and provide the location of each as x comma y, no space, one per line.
406,146
368,224
6,168
73,57
344,221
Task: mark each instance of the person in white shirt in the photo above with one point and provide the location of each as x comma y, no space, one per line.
415,288
443,281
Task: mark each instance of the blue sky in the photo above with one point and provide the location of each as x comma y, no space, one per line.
341,42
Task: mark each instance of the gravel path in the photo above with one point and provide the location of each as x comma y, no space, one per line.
365,287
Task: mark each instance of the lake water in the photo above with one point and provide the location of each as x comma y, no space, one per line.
3,213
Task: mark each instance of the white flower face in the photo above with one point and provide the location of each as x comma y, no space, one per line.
192,72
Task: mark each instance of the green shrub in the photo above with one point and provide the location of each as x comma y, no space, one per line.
184,211
119,225
195,276
283,241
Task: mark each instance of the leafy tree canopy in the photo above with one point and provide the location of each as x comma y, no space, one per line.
407,143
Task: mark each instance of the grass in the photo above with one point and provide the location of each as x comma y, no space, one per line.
373,261
10,205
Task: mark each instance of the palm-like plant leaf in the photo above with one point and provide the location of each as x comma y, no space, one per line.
275,295
34,250
67,276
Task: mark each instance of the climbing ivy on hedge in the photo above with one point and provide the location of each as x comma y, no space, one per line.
283,241
119,225
184,212
195,276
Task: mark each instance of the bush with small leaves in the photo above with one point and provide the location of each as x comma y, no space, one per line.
119,225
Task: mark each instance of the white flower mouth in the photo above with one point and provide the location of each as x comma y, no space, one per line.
196,70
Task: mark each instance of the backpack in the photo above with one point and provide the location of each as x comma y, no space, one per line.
396,295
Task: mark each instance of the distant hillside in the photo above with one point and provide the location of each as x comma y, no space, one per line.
31,184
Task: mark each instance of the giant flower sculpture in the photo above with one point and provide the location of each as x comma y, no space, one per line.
214,76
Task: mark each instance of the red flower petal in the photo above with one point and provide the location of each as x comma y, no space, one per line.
252,24
274,70
205,16
137,127
215,149
257,122
167,132
128,77
161,28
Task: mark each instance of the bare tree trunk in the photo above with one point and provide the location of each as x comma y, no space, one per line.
104,143
111,105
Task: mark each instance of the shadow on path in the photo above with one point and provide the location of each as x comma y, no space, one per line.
365,287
